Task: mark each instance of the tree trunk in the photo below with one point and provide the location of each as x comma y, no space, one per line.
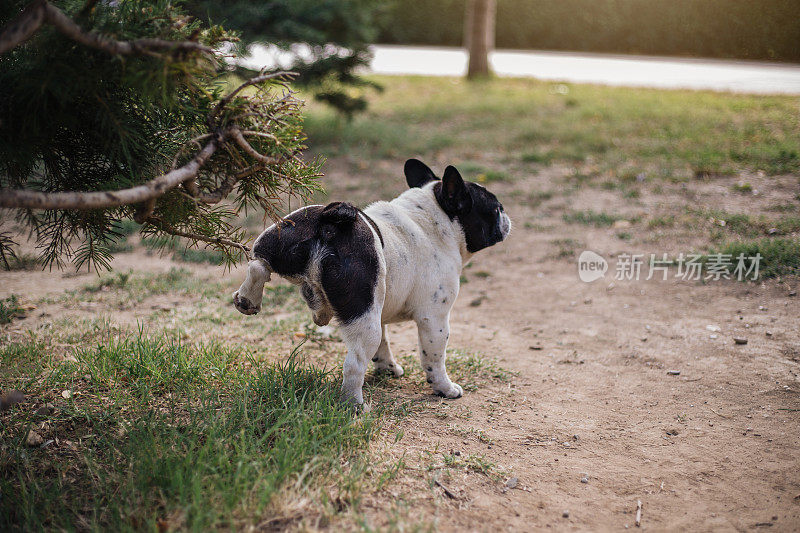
479,36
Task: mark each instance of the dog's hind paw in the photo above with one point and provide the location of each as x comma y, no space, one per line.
244,306
393,369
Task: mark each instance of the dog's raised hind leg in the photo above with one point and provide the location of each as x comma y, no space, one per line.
248,298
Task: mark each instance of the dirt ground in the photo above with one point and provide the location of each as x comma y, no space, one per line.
714,448
591,421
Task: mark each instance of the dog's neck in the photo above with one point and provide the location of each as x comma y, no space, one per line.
433,218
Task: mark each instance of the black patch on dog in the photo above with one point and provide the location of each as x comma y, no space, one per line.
418,174
287,248
349,270
476,209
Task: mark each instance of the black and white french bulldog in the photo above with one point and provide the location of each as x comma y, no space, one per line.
394,261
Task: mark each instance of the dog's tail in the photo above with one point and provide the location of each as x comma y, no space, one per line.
337,217
247,299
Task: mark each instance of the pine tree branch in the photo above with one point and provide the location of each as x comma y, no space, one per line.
148,192
252,81
23,26
251,138
22,198
225,188
39,12
220,241
236,133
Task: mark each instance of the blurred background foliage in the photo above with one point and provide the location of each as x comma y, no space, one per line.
743,29
335,34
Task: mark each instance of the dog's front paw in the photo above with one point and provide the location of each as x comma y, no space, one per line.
351,405
453,392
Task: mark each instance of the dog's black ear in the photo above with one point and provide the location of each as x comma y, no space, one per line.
455,198
417,173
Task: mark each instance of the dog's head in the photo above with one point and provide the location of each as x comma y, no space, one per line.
478,211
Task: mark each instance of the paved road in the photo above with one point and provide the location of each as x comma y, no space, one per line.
632,71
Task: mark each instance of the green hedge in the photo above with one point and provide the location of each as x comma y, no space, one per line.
746,29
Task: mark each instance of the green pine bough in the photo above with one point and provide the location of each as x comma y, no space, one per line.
112,111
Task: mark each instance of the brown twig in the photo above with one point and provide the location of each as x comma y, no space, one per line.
22,198
237,136
252,81
227,185
195,141
23,26
720,414
39,12
447,491
144,211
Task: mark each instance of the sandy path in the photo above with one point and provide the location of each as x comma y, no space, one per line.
714,448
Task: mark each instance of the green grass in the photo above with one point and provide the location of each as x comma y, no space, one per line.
661,221
154,431
181,251
10,309
150,366
566,248
22,262
536,198
590,218
160,433
136,286
784,207
481,174
779,256
522,122
752,225
468,369
472,462
479,434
